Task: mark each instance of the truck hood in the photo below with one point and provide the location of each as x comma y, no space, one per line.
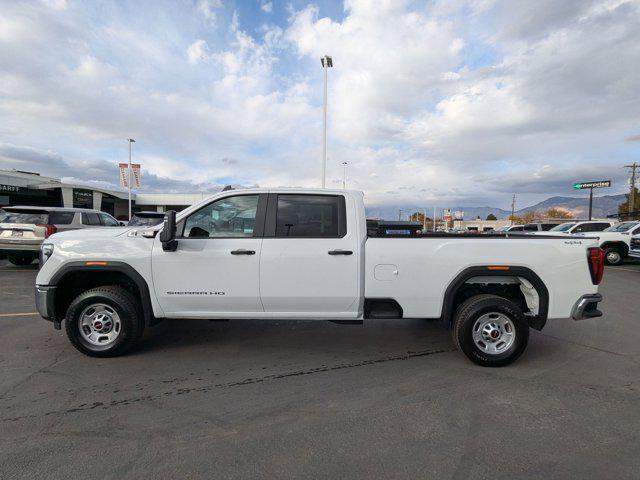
89,233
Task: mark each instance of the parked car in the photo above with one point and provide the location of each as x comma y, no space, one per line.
538,227
573,227
510,228
616,241
305,254
23,229
634,250
146,219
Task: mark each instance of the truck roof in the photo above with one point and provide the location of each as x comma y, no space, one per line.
324,191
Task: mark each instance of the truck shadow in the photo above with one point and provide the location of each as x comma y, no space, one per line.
295,336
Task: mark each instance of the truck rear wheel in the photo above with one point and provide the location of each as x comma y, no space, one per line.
104,321
490,330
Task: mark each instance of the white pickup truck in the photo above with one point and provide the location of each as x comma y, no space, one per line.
305,254
615,241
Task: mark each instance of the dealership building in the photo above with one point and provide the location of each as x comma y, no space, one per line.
27,188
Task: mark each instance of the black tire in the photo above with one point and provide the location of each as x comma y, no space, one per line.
126,306
610,257
475,307
21,260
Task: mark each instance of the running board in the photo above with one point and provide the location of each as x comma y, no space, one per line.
347,322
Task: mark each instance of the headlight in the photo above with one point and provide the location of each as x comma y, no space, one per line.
46,250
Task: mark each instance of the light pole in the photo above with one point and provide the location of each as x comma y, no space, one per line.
344,175
130,140
327,63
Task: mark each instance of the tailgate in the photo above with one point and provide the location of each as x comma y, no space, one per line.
21,232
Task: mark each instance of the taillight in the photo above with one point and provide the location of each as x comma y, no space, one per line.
48,229
596,264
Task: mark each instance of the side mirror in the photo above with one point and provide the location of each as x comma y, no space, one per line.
122,224
168,233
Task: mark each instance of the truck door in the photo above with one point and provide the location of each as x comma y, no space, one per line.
215,270
309,267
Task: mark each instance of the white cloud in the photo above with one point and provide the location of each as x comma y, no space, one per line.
56,4
207,9
267,7
197,51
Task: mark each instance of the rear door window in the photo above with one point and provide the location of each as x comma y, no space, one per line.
310,216
24,216
591,227
108,220
90,218
61,218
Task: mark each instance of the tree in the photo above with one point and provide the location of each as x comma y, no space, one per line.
527,217
419,217
623,208
558,213
491,216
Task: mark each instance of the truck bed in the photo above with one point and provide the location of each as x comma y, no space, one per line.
419,271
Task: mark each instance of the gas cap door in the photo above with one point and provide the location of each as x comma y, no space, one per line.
385,272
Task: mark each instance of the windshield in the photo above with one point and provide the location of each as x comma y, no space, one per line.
563,227
24,216
145,221
622,227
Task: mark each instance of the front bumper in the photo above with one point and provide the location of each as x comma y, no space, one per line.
45,302
587,307
634,254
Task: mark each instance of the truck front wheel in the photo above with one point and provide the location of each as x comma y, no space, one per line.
490,330
613,256
104,321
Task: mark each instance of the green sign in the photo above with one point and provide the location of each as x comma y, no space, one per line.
599,184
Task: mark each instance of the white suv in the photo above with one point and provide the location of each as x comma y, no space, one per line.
570,228
23,229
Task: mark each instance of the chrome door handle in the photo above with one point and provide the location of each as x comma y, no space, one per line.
242,251
340,252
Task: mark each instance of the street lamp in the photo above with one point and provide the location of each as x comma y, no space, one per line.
130,140
327,62
344,175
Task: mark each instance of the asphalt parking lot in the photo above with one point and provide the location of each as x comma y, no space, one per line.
390,399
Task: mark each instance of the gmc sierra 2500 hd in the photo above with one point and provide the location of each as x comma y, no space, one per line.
305,254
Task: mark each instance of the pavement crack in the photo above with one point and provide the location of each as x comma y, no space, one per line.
248,381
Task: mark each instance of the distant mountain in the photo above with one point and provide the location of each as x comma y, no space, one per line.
578,206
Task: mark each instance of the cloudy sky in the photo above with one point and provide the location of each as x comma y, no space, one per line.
446,102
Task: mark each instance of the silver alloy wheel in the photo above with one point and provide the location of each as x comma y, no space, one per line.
614,257
494,333
99,324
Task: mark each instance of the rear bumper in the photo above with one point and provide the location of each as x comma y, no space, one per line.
45,301
14,248
587,307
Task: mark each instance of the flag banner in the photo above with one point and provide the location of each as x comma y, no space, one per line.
135,175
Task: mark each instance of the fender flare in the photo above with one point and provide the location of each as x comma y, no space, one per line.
537,322
112,266
617,244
